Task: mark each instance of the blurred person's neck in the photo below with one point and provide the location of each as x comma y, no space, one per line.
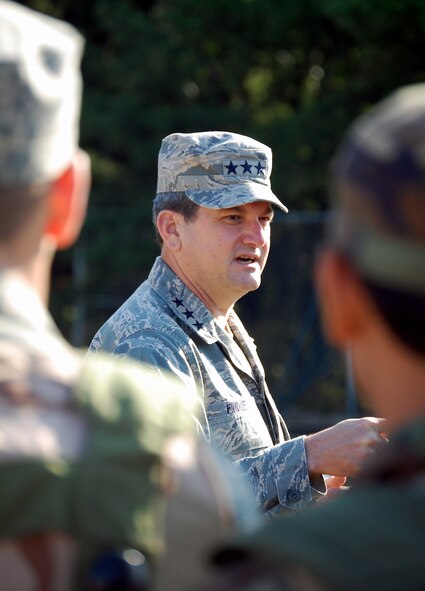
392,378
34,268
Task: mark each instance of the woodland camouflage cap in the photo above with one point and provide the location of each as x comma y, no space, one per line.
379,186
216,169
40,95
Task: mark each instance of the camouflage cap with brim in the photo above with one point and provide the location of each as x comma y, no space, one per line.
40,95
216,169
378,179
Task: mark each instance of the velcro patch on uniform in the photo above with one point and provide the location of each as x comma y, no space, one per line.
233,407
242,167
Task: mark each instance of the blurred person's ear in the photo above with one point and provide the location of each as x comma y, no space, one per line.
344,305
67,202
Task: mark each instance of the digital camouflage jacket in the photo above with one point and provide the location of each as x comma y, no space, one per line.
167,326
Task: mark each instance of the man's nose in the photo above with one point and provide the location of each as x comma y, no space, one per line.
256,234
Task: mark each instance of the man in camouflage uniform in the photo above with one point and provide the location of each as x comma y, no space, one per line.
212,213
371,283
89,450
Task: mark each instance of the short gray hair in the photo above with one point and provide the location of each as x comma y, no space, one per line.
176,201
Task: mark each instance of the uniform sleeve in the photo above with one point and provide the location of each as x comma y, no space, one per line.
279,477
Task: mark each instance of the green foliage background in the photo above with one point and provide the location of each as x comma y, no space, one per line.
291,73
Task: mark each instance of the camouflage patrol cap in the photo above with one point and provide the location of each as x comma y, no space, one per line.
379,185
216,169
40,95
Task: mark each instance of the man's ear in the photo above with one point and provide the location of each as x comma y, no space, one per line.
67,202
343,300
167,223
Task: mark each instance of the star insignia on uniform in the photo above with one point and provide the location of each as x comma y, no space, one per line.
198,325
246,167
188,313
260,169
231,168
177,301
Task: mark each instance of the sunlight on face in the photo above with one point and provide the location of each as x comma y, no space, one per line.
224,251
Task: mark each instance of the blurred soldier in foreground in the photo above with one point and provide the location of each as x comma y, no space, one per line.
371,284
89,450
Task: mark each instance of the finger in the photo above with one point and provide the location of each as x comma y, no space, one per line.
378,424
372,442
335,481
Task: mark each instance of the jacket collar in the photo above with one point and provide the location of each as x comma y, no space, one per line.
184,303
196,316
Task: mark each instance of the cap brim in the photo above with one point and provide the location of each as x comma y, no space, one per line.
233,195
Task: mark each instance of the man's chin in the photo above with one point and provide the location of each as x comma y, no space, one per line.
251,285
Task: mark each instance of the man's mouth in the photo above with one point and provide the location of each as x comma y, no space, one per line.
247,259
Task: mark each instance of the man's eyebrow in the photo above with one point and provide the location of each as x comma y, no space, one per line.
240,208
237,208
